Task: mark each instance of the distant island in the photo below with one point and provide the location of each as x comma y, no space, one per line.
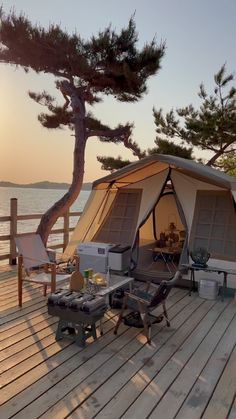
43,185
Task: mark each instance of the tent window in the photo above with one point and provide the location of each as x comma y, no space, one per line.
214,224
120,223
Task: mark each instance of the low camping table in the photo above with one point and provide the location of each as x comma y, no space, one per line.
85,323
167,255
74,322
223,271
116,282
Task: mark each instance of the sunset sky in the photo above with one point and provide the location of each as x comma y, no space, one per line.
200,37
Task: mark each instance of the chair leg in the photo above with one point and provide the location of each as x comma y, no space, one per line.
44,290
146,326
20,280
119,321
165,314
120,316
53,278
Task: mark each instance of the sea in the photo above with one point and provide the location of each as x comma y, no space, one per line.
34,201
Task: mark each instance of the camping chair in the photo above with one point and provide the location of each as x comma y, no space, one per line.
33,257
144,302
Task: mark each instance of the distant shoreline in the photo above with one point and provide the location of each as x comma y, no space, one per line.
43,185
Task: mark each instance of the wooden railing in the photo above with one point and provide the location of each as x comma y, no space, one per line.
13,218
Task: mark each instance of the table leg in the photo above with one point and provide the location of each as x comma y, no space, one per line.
166,261
192,282
224,286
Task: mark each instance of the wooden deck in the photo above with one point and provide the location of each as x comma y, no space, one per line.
189,371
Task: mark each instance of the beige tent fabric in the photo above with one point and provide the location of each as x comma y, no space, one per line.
148,174
132,173
234,195
95,211
99,204
160,162
151,189
146,233
91,208
185,188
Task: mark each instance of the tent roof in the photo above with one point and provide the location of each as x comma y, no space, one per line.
151,165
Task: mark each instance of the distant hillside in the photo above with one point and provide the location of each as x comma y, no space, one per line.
43,185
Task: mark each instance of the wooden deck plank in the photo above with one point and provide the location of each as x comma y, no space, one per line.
23,356
10,374
23,320
179,389
86,388
232,413
162,346
27,287
29,306
46,377
135,382
195,404
224,394
24,326
32,339
29,294
28,333
145,403
117,376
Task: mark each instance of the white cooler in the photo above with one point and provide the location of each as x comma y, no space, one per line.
208,289
94,255
119,257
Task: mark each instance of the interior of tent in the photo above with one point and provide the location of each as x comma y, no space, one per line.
162,236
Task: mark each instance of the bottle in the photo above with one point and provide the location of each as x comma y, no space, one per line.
108,276
86,278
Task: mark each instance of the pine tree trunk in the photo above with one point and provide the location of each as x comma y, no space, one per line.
61,206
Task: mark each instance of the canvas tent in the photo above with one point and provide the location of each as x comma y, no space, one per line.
134,204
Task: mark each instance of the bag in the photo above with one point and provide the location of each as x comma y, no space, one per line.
133,319
117,298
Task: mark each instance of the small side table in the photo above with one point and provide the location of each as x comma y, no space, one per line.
194,268
167,255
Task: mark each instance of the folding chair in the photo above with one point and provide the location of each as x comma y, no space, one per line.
35,266
144,302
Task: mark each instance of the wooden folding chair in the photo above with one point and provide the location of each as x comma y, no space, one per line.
144,302
35,266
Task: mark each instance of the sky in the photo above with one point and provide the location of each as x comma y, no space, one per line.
199,36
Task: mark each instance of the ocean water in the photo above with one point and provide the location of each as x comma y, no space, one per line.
34,201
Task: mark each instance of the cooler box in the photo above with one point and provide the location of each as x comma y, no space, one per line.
208,289
94,255
119,258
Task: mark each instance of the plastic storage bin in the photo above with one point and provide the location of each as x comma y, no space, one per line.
208,289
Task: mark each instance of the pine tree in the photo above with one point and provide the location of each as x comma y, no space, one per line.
212,127
85,72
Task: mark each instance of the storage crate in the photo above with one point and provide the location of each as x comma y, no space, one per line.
208,289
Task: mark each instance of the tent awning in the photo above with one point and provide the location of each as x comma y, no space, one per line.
151,165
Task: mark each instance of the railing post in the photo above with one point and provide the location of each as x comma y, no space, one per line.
66,229
13,230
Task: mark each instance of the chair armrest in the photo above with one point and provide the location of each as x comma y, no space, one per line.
52,254
56,257
38,262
